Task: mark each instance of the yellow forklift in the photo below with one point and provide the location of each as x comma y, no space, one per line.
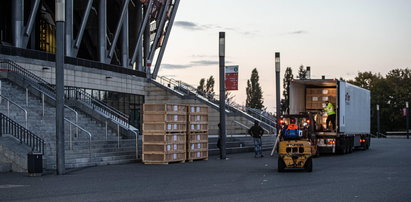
296,142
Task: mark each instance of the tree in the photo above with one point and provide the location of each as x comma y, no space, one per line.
210,85
201,87
229,98
390,93
365,80
288,76
254,92
302,73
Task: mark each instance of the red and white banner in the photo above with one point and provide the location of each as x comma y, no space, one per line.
231,77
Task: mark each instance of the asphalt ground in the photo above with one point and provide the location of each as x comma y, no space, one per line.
382,173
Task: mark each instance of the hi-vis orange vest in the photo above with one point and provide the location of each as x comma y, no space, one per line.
292,126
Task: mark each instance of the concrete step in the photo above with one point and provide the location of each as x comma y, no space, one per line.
120,160
5,167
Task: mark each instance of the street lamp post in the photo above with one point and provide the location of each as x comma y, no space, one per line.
407,119
378,120
277,83
222,128
60,21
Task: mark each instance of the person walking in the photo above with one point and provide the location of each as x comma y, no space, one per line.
257,132
329,109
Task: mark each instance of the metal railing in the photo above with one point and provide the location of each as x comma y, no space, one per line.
47,89
17,105
82,129
35,82
8,126
87,99
118,118
186,89
54,99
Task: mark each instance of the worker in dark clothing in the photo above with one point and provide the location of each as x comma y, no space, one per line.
256,132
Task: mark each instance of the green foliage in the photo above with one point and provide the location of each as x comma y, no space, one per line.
201,87
254,92
390,93
288,76
206,87
302,72
210,85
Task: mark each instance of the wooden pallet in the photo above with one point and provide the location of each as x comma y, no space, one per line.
171,138
199,137
198,118
195,147
162,158
164,127
198,127
200,155
162,163
164,108
164,117
198,109
161,148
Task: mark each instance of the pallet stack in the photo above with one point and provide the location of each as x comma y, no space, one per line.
315,100
197,135
164,133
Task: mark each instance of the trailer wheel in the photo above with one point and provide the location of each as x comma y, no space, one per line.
350,149
281,165
309,165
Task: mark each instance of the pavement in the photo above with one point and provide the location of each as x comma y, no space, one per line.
381,173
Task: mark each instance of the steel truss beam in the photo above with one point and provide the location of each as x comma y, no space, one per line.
166,36
29,28
102,30
160,29
141,29
117,33
143,49
82,27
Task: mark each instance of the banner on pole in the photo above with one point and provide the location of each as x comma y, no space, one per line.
231,77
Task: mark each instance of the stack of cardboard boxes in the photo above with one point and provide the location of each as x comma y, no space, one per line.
164,133
316,98
197,136
174,133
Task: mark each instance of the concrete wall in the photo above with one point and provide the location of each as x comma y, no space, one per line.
14,153
86,77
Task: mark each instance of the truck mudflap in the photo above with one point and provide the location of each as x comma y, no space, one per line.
326,145
362,141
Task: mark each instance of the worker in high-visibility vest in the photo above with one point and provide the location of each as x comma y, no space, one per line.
329,109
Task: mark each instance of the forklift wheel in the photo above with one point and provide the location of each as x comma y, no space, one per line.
281,165
309,165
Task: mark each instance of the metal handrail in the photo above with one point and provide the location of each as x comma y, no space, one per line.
25,136
39,84
8,108
54,99
17,68
210,98
82,129
88,99
105,109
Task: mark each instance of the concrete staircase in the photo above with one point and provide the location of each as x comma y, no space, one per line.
238,144
104,149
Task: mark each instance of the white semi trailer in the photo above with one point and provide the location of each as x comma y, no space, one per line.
352,107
